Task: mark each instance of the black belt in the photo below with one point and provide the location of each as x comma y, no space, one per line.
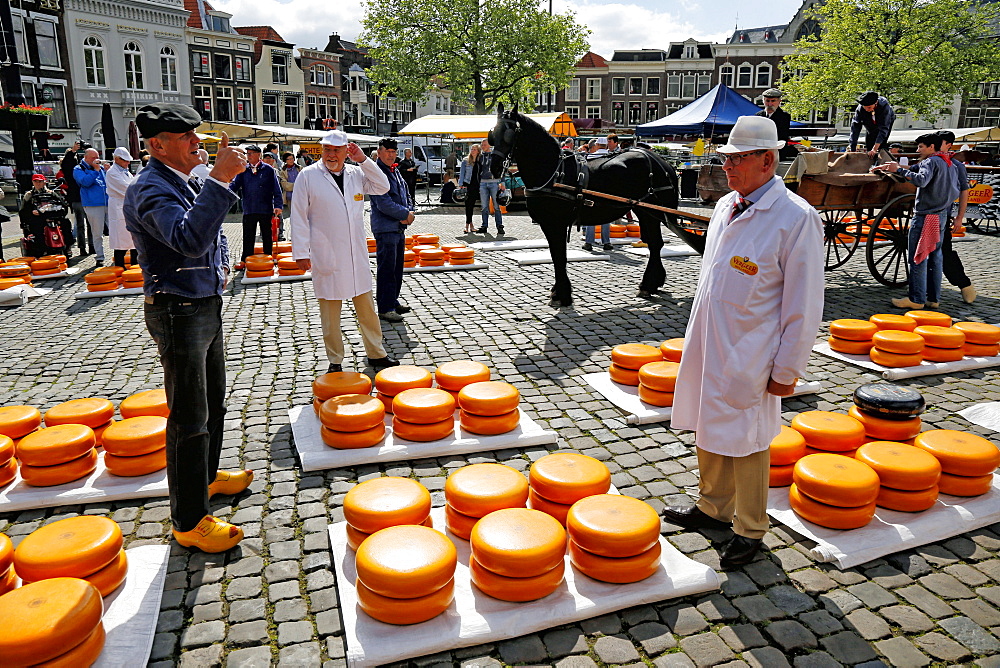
161,298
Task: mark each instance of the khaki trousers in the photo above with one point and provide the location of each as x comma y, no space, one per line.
735,488
371,331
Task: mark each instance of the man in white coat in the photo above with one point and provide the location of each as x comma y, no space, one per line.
329,239
118,178
753,323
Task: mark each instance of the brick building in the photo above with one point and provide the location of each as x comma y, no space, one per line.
280,84
323,87
223,84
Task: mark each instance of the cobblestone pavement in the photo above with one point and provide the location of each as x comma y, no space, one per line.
274,599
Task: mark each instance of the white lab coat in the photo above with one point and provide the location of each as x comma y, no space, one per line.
328,227
750,325
118,179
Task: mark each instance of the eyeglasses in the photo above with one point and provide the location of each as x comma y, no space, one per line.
736,158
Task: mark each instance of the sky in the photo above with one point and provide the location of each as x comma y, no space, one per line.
623,24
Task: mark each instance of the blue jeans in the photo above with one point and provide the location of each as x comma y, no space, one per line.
488,189
389,249
589,235
188,335
925,278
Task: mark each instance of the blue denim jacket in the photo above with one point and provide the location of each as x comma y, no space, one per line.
260,192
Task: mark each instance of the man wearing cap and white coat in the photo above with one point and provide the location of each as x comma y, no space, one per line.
329,239
753,323
118,178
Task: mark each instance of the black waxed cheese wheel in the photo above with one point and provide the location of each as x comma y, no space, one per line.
889,401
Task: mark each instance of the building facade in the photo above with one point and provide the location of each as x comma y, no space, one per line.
223,84
321,71
280,84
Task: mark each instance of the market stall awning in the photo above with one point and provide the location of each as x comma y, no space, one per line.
715,112
244,131
476,127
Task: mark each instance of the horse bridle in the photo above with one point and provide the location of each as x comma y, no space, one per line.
509,156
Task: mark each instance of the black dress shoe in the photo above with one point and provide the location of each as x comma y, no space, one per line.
402,308
692,517
334,368
738,551
500,231
481,230
383,362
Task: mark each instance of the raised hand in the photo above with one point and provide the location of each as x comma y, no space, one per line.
229,161
355,153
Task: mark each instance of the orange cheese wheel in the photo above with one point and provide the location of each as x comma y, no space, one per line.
132,274
431,254
932,354
634,355
423,405
891,321
129,285
288,263
98,277
99,432
423,433
929,318
71,547
780,476
44,264
129,467
52,615
623,375
291,272
406,561
384,502
829,431
386,401
448,248
462,253
900,466
136,436
479,489
907,501
316,404
894,360
671,349
6,450
403,611
7,283
613,525
338,383
355,537
102,287
259,273
516,589
825,515
426,238
836,481
518,542
659,376
788,447
489,425
60,474
462,260
148,402
959,452
981,350
456,375
8,472
620,570
850,347
979,333
960,485
92,412
351,412
654,398
430,262
45,272
16,421
419,248
84,654
557,510
845,453
900,343
8,581
567,477
853,330
882,429
489,398
6,553
459,523
259,256
352,440
940,337
395,379
11,270
409,256
111,576
56,445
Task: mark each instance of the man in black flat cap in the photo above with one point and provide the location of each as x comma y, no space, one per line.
176,226
782,120
876,116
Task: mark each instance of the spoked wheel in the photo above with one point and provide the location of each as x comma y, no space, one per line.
691,232
984,225
841,235
885,250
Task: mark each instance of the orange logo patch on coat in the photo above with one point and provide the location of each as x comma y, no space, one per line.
744,264
358,197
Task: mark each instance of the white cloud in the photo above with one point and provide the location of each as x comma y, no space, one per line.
305,23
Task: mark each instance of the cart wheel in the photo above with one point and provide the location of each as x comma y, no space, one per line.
841,235
690,232
885,250
984,225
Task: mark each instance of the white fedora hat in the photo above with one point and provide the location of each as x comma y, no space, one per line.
752,133
334,138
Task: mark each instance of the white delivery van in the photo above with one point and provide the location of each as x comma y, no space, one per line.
428,152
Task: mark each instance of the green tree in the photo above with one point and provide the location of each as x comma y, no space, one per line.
490,52
917,53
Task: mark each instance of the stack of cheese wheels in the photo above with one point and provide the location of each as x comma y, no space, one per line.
281,247
900,323
390,382
941,344
474,491
7,283
489,407
147,402
656,383
352,421
87,547
8,465
101,281
406,574
980,340
908,475
459,256
384,502
433,257
420,248
57,455
453,376
58,623
788,447
409,259
618,231
427,239
628,358
259,266
372,245
132,278
929,318
889,401
834,492
16,422
338,383
45,266
852,337
517,554
14,274
290,267
95,412
897,348
824,431
559,480
448,248
883,429
614,538
633,230
967,461
408,241
423,414
8,576
136,446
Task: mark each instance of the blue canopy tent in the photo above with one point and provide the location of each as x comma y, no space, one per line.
713,113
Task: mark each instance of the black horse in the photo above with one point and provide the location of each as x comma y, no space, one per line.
636,174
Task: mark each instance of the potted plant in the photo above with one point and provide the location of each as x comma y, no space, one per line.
24,117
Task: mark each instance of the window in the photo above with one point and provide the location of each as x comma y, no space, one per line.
618,85
93,62
199,64
652,111
317,75
244,105
618,113
321,106
972,117
223,66
726,75
311,107
333,107
168,68
57,103
823,115
981,90
689,86
635,86
241,69
690,51
45,38
279,68
224,104
593,112
133,66
991,117
573,91
292,110
593,89
993,91
634,113
763,76
203,100
269,104
19,39
219,23
744,76
653,86
674,85
573,112
704,84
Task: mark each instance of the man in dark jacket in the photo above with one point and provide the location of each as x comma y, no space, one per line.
876,116
772,109
408,167
69,162
260,191
391,214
